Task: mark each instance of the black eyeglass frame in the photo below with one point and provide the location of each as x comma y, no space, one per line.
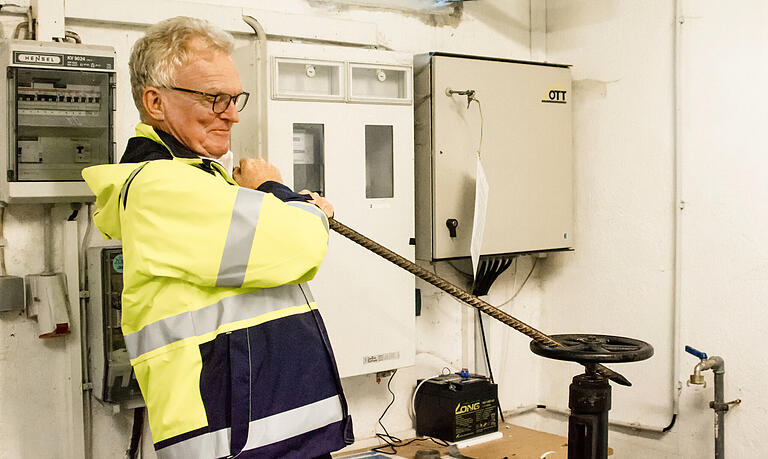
216,97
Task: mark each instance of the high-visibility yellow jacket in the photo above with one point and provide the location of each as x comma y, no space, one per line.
226,342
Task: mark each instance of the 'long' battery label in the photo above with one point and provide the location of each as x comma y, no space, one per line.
475,418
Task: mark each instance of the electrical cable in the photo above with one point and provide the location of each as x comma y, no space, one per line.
18,29
83,303
393,442
482,123
514,276
470,93
418,386
30,25
75,210
69,34
482,328
489,269
533,266
462,272
3,242
138,427
386,437
488,360
671,424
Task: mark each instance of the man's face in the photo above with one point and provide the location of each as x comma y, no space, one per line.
190,117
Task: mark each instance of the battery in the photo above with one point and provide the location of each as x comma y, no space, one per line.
452,407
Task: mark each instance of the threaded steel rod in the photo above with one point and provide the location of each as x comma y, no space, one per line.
459,293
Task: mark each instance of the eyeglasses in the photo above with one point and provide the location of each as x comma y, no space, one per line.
220,101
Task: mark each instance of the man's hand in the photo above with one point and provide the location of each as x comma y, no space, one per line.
320,202
253,172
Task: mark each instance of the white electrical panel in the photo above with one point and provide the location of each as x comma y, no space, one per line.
340,123
518,116
58,108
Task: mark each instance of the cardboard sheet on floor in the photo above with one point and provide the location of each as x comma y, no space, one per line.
517,442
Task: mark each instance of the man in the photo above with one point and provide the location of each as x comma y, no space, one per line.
230,352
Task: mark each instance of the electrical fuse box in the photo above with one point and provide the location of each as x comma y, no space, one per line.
59,108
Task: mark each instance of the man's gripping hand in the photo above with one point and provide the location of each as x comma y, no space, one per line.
253,172
320,202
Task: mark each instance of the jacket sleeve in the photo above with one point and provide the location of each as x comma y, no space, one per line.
282,192
183,223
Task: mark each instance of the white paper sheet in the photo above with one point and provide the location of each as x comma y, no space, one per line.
478,222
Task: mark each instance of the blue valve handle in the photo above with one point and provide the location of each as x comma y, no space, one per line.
696,352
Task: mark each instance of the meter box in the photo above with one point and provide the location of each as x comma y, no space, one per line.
518,116
110,367
338,121
59,112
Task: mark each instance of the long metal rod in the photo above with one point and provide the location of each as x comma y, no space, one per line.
460,293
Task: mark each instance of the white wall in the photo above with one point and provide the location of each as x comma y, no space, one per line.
620,278
34,373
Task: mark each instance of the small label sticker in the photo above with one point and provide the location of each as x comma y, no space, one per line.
80,61
380,357
117,263
38,58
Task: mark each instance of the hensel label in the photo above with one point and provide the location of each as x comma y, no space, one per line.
40,59
80,61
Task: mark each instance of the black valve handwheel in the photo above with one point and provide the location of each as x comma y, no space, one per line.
594,349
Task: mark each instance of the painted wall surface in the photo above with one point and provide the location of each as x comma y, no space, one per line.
34,373
620,279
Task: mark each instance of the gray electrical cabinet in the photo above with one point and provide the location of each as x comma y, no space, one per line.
519,117
58,109
111,373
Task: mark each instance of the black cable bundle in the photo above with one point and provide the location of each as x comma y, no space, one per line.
489,269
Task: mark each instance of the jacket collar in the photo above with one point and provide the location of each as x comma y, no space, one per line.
180,152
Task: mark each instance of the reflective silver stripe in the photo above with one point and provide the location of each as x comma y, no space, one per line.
242,227
207,319
312,209
261,432
207,445
297,421
307,292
